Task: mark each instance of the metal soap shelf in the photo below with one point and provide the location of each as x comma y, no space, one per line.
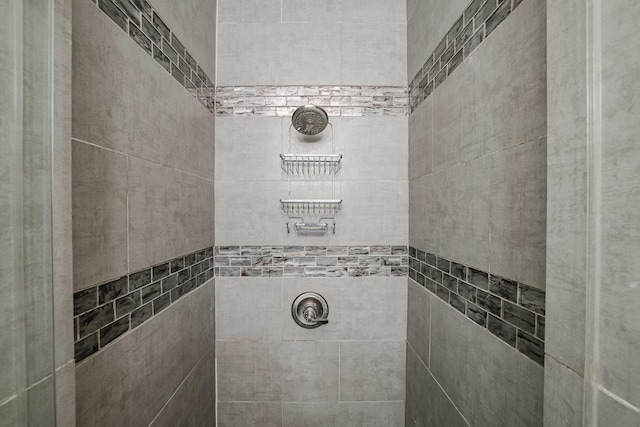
311,164
325,208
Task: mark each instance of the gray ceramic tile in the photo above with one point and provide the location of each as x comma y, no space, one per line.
372,370
232,414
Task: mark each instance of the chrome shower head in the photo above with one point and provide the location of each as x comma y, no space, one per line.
310,119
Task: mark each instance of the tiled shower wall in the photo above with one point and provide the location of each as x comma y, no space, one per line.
143,157
271,371
593,203
477,202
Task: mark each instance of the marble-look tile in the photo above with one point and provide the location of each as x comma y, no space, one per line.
263,297
483,392
363,46
344,414
99,215
372,370
427,403
563,395
267,414
613,412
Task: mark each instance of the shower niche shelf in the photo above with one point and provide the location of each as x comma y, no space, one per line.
297,209
311,164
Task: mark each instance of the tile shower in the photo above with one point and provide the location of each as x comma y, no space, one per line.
438,276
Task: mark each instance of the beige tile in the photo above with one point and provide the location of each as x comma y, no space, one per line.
329,11
374,11
248,148
99,215
166,205
175,129
619,328
421,140
374,54
566,311
65,393
249,309
249,371
612,412
563,395
194,23
277,371
460,211
427,403
359,309
490,382
454,106
344,414
504,114
310,371
373,148
130,381
419,320
250,414
249,54
61,213
372,370
320,65
519,213
9,415
41,403
230,11
194,401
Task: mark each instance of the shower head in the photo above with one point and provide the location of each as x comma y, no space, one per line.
310,119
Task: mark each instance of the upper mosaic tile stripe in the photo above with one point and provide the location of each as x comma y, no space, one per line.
478,20
281,101
142,23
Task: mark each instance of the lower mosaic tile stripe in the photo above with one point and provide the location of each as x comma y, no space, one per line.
512,311
311,261
281,101
107,311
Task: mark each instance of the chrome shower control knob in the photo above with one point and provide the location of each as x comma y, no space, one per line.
310,310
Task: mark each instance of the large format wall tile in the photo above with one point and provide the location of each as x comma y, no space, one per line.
619,319
263,414
124,100
130,381
344,414
166,205
519,213
99,215
502,388
249,309
563,395
419,320
421,140
427,403
372,370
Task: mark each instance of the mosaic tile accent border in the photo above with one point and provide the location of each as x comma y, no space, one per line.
475,24
511,311
281,101
311,261
105,312
142,23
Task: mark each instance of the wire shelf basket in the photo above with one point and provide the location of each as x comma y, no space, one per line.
310,207
311,164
